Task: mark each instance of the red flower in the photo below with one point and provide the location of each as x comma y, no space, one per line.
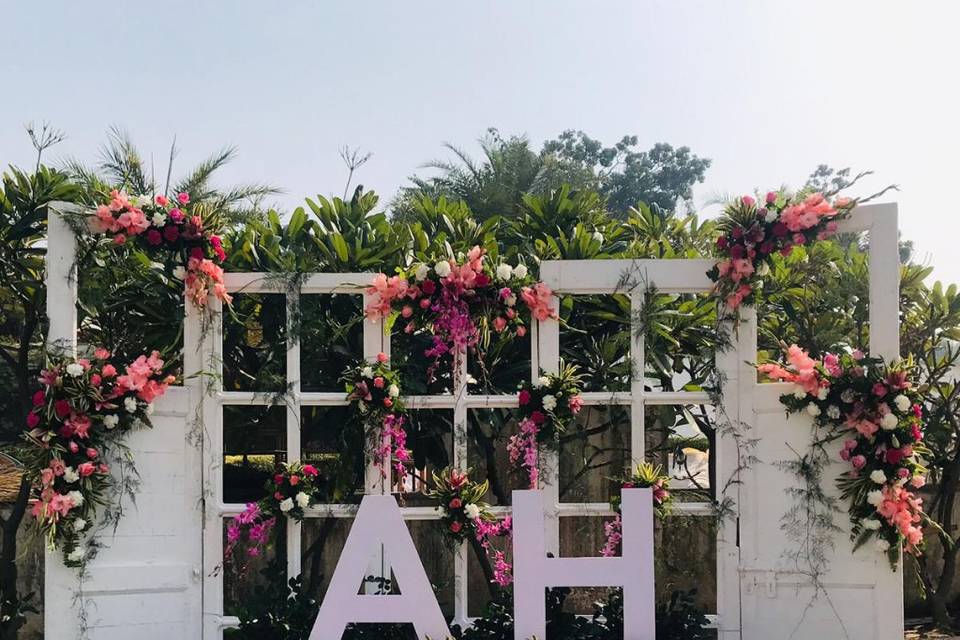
197,253
482,280
38,398
32,420
86,469
538,418
780,230
387,402
309,469
278,479
722,242
456,503
62,408
154,237
428,287
737,252
294,481
171,233
455,527
523,396
893,456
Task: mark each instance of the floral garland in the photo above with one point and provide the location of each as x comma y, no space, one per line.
753,233
879,412
645,476
456,302
176,227
465,515
84,408
545,410
375,388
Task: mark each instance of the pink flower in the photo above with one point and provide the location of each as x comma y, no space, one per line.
382,357
858,462
183,198
748,201
539,299
39,398
575,403
523,397
499,324
161,200
378,382
771,197
86,469
310,470
879,389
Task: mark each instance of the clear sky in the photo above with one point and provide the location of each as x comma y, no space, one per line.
766,89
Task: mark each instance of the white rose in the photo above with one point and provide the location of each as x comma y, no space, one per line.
847,395
286,505
833,412
510,300
878,476
142,199
303,500
823,393
870,524
75,369
159,219
875,498
472,511
902,402
519,272
110,421
549,403
883,545
70,475
422,272
76,555
130,404
799,392
889,422
442,268
367,372
543,381
813,410
393,390
79,524
76,498
504,271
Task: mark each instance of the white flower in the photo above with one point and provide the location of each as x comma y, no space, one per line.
799,392
367,372
520,272
510,300
472,511
889,422
110,421
148,409
141,200
130,404
76,555
75,369
79,524
543,381
471,379
763,269
70,475
848,395
598,236
813,410
159,219
549,403
823,393
878,476
393,390
875,498
422,272
504,271
303,500
76,498
833,412
902,402
442,268
883,545
870,524
286,505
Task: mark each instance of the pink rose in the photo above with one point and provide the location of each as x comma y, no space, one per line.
771,197
858,462
382,357
183,198
499,324
521,331
161,200
86,469
378,382
748,201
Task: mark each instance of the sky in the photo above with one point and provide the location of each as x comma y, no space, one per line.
767,90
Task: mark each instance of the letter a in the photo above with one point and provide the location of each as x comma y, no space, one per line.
533,571
379,522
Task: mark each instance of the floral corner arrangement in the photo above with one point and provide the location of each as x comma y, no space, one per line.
752,232
878,412
82,410
645,476
291,490
174,226
459,302
464,515
375,390
546,408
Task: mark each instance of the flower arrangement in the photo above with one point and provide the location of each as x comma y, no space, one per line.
546,408
375,389
464,515
174,226
83,408
753,232
874,406
457,301
291,490
645,476
249,530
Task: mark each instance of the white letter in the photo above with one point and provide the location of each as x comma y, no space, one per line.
533,572
379,522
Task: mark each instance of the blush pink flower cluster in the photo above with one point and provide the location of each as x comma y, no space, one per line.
876,407
754,232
